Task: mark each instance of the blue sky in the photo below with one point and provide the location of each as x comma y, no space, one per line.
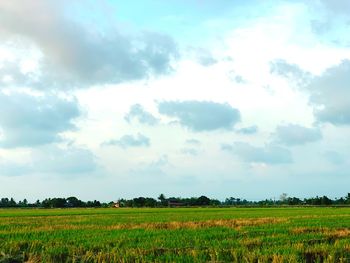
112,99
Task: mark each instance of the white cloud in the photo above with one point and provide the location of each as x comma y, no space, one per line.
268,154
248,130
27,120
292,134
201,115
75,55
330,95
52,160
127,141
137,112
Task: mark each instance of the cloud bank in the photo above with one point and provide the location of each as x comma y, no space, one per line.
75,55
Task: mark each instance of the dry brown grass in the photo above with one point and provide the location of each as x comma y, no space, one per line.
34,259
233,223
251,243
303,230
338,233
331,233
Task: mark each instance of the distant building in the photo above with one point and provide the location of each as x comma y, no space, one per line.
116,205
175,203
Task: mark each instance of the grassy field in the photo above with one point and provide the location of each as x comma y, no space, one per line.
180,234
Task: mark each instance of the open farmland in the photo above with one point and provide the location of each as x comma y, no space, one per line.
180,234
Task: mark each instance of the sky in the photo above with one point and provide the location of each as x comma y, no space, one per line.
120,99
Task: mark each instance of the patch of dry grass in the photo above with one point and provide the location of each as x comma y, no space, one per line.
334,233
230,223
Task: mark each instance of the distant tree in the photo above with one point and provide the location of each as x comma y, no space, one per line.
74,202
139,202
203,200
215,202
122,202
325,200
96,203
163,200
266,202
12,203
23,203
230,201
150,202
46,203
54,203
294,201
283,197
58,202
4,202
340,201
234,201
347,198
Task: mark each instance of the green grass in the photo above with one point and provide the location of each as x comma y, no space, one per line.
181,234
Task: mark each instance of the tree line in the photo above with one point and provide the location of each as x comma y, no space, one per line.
52,203
162,201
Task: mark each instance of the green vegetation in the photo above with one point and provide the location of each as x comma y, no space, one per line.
179,234
162,201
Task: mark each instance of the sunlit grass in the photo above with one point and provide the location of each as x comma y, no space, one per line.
185,234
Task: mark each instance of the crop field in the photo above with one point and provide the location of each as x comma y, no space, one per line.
175,235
